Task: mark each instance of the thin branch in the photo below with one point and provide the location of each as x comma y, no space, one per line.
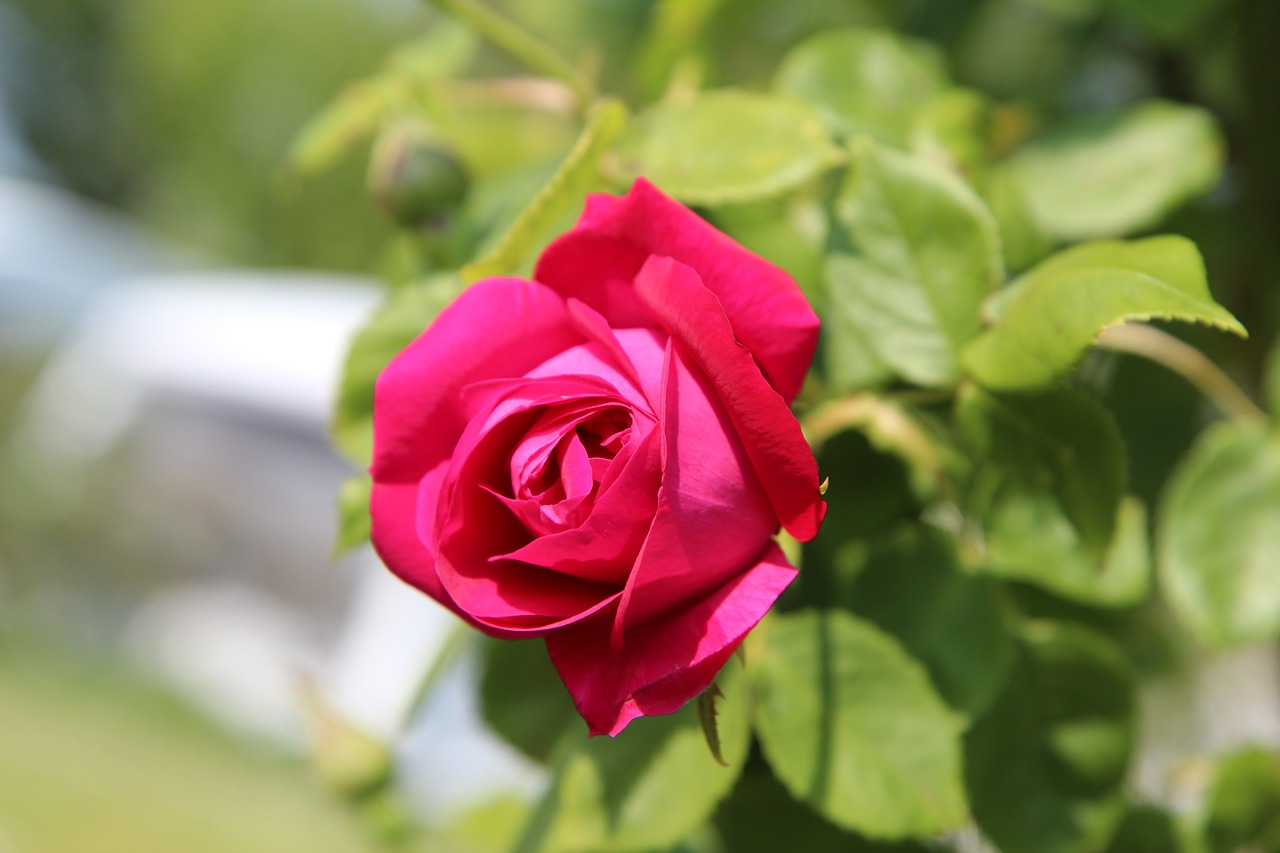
1185,360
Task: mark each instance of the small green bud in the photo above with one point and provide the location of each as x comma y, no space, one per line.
413,177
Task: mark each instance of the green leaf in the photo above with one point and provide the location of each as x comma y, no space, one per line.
911,585
649,787
401,317
1218,536
1046,319
353,513
1046,765
522,697
851,725
1272,382
352,118
1062,442
727,146
1243,805
863,80
707,719
1147,829
1111,175
577,175
1022,238
920,254
762,815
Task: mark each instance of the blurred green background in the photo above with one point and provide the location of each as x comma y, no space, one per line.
180,113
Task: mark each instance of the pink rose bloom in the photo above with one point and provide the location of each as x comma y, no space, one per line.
603,455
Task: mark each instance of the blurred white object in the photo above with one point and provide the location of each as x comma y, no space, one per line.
216,388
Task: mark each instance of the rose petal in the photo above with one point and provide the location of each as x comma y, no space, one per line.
768,430
416,416
669,660
712,516
614,237
604,548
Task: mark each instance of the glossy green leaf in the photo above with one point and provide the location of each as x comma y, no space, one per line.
646,789
1046,765
917,251
522,697
1046,319
577,175
863,80
852,726
1242,809
401,317
1219,534
1114,174
353,513
727,146
911,585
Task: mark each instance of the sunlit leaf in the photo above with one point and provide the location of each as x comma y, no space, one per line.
1046,319
863,80
727,146
577,175
1111,175
852,726
1219,534
919,252
649,787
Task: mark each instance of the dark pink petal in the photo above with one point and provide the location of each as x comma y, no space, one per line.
712,517
499,327
769,431
602,254
669,660
604,548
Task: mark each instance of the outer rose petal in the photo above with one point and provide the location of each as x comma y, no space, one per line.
497,328
769,432
600,256
669,660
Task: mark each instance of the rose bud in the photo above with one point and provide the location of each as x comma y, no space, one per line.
602,456
413,178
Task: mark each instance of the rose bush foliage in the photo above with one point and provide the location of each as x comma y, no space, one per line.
602,455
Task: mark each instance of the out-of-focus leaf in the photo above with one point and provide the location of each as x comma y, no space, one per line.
1062,441
354,116
863,80
646,789
727,146
911,585
577,175
760,814
1172,20
1219,534
522,697
851,725
353,513
1272,379
1046,765
919,254
1111,175
1045,320
1050,496
406,311
673,33
1242,810
1023,240
1147,829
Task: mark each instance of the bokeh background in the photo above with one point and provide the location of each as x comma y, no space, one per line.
173,308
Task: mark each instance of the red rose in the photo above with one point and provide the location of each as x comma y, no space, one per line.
603,455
